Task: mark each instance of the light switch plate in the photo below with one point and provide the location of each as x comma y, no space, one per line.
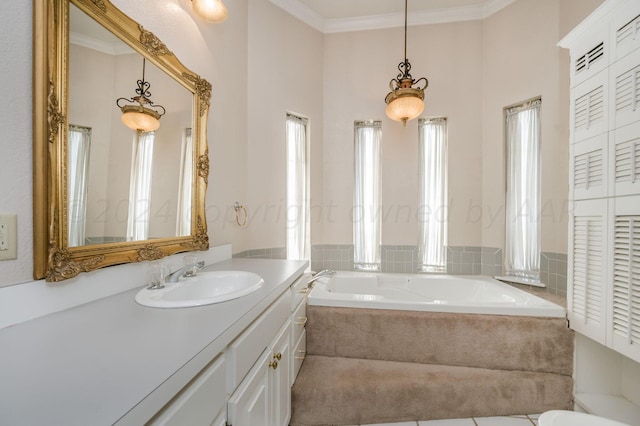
8,236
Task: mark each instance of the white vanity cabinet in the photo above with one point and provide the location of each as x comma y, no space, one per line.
249,383
264,396
603,300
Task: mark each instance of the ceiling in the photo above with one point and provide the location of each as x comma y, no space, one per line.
331,16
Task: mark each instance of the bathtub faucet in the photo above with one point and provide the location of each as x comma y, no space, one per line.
321,274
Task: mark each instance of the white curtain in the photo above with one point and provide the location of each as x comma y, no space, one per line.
185,185
140,187
432,148
79,145
522,246
367,195
297,189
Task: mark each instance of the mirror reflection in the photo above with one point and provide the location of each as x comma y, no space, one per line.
123,184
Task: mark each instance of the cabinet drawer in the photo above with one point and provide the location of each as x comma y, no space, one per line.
246,349
299,290
299,353
200,401
299,321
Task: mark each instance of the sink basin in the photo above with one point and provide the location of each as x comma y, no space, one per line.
205,288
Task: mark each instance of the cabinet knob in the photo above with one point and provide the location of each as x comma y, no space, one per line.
273,364
277,356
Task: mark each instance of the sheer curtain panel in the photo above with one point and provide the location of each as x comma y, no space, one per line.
140,187
522,215
298,242
432,148
367,196
79,146
185,186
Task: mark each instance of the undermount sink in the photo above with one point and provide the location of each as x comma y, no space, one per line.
205,288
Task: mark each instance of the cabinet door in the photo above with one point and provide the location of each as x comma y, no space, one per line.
625,274
586,296
625,91
280,378
200,401
624,160
588,168
626,29
249,404
589,112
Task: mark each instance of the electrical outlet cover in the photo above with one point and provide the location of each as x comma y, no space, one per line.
8,236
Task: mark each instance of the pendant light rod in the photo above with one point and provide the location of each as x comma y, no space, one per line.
405,30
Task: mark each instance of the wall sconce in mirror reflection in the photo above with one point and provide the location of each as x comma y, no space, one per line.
141,115
210,10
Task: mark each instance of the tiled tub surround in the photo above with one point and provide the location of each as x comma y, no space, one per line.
461,260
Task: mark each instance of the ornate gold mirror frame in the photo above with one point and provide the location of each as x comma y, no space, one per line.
54,260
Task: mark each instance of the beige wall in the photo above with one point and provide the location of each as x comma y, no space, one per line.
521,61
358,67
285,75
263,62
475,69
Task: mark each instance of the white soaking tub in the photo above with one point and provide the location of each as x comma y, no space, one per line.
433,293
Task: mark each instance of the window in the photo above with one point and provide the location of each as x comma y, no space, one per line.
185,188
78,172
140,187
432,147
298,241
367,196
522,215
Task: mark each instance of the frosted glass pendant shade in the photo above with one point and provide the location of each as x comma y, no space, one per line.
140,119
404,108
210,10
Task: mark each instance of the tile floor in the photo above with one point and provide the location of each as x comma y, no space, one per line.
522,420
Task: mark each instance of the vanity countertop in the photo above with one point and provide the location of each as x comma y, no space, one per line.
114,361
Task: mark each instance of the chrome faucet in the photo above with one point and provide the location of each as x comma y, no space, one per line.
185,271
321,274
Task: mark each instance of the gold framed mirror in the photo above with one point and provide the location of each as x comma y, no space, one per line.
106,194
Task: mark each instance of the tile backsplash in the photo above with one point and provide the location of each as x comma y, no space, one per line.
461,260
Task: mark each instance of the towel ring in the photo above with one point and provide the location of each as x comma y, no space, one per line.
240,208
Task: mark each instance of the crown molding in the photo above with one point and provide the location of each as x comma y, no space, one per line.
390,20
302,12
99,45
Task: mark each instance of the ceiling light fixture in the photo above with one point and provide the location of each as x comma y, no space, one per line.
139,116
210,10
405,102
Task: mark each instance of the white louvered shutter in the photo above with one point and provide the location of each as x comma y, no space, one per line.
588,168
586,61
590,112
625,274
627,34
626,90
587,269
626,161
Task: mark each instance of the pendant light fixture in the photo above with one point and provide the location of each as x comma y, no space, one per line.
210,10
142,115
405,102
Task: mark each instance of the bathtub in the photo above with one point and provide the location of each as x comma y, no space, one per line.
432,293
